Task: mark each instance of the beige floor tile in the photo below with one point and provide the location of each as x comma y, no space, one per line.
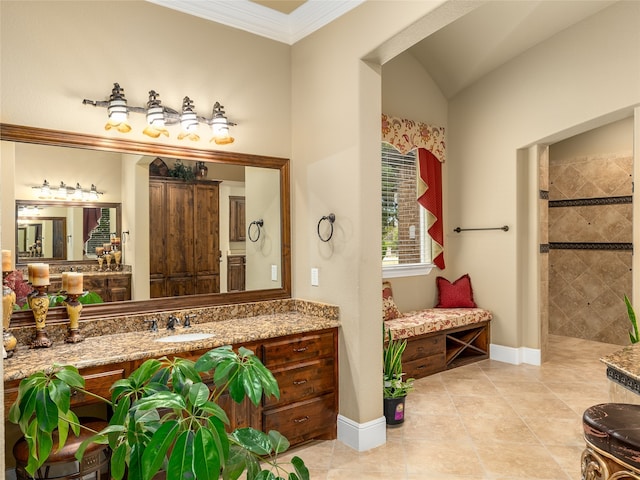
506,430
477,406
520,461
443,457
485,421
557,431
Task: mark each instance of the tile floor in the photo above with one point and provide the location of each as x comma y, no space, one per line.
488,420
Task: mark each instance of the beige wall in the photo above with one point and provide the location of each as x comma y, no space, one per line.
55,54
554,90
336,106
409,92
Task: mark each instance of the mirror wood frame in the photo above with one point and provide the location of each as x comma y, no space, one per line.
40,136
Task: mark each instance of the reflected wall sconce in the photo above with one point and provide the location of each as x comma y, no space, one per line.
64,192
328,218
254,237
159,116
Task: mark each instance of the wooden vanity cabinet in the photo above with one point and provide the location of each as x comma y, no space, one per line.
236,265
184,240
112,287
306,368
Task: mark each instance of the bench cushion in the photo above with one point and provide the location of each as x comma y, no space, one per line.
430,320
614,428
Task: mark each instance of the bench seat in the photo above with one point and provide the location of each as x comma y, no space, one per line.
441,338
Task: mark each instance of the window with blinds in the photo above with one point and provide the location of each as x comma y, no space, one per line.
406,246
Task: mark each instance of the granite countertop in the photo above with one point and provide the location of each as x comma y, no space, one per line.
626,361
120,347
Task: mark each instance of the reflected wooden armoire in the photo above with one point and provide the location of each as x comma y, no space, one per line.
184,239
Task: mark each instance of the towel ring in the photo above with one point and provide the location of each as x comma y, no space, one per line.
258,224
329,218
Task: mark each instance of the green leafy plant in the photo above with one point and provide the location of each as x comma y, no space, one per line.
634,336
57,300
165,418
180,170
394,385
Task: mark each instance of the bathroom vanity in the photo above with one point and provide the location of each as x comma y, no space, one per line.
296,340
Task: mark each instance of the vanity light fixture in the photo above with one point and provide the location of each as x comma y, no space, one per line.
117,110
155,117
44,190
159,116
64,192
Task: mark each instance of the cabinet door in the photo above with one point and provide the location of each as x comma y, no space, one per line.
235,273
157,265
207,284
206,230
119,288
179,235
97,285
237,219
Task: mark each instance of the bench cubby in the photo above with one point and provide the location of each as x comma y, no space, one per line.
440,339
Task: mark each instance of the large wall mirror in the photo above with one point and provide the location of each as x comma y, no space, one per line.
120,170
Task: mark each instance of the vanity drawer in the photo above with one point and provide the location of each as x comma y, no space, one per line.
302,421
297,349
303,382
98,380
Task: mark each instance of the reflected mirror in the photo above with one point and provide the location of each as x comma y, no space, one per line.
245,269
53,231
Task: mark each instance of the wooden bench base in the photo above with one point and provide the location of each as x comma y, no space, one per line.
438,351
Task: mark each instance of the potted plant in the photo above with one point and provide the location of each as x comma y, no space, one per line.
395,387
165,418
634,336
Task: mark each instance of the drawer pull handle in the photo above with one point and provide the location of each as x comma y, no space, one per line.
301,349
301,420
299,382
419,367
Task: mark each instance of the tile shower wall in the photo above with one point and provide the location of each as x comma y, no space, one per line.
590,235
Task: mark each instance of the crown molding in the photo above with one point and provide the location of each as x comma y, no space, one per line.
266,22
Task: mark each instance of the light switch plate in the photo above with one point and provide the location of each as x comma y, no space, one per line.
274,273
314,277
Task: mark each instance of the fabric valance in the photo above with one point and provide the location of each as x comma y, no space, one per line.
406,135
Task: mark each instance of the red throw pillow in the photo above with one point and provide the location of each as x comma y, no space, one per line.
458,294
389,308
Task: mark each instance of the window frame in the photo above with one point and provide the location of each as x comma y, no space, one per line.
409,269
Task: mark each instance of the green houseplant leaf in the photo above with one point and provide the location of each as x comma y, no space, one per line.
634,335
165,418
394,386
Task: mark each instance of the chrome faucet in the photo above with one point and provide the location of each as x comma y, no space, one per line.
187,319
172,322
154,324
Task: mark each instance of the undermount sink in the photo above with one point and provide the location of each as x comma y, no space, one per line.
185,337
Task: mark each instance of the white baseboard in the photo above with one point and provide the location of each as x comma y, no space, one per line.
516,356
362,436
